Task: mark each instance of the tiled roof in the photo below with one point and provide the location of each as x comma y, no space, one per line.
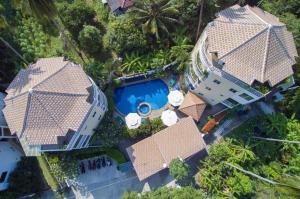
46,100
254,44
115,4
155,153
193,106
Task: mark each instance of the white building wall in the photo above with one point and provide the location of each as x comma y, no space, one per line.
220,92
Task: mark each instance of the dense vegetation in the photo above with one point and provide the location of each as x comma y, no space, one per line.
149,36
26,179
168,193
276,161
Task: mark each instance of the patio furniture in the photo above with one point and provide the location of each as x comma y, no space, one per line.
169,117
98,163
175,98
133,120
172,81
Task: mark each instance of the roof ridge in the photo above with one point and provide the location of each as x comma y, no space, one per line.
25,114
247,7
243,43
47,112
67,62
266,53
62,93
238,23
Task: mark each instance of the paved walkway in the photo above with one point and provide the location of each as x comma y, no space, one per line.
115,188
231,124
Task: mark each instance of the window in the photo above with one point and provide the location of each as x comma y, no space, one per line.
3,176
217,81
246,97
85,127
222,95
94,114
100,117
233,90
207,88
232,101
78,140
200,94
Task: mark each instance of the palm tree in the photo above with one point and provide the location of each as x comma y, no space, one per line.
180,53
47,9
154,16
200,18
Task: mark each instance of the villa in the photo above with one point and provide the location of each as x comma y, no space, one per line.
242,51
53,106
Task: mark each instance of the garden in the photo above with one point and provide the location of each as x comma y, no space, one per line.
149,36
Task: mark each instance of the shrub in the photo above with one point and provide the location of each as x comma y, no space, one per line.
178,169
76,15
123,36
90,39
147,128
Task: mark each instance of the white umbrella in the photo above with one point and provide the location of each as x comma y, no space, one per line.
169,117
133,120
175,98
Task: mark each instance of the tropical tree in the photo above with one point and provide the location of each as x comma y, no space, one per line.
122,36
180,53
90,39
178,169
155,16
46,9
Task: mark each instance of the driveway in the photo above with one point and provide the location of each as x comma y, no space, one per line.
115,188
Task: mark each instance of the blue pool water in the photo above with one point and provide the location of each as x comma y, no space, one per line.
154,92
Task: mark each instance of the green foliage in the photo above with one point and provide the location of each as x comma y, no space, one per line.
122,36
178,169
180,53
97,151
108,132
147,128
155,17
239,184
168,193
63,166
31,38
90,39
213,172
76,15
25,179
51,181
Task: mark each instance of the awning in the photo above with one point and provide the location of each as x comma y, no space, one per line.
193,106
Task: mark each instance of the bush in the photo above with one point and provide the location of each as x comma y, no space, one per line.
90,39
178,169
76,15
123,36
147,128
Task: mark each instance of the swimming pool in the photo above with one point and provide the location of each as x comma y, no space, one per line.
128,98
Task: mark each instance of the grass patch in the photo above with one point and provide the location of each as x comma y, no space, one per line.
47,174
93,152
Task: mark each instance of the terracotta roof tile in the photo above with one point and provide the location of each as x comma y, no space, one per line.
254,44
46,100
193,106
150,155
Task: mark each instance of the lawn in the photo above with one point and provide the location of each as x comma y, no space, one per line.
93,152
47,174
